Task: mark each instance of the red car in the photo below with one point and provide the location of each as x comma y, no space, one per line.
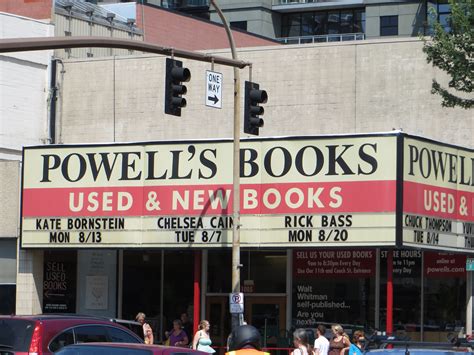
129,349
47,334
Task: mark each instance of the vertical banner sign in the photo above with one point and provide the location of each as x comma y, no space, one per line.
295,192
331,285
438,196
59,282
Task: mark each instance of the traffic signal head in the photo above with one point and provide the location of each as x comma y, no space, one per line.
252,110
174,88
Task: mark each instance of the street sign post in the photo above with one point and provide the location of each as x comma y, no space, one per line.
213,89
236,302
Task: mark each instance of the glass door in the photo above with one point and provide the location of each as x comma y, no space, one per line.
268,315
217,313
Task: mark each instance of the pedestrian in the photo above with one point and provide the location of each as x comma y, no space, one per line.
339,343
202,341
358,340
321,344
245,340
147,331
301,343
187,325
177,336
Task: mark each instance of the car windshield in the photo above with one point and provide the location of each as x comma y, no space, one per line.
16,334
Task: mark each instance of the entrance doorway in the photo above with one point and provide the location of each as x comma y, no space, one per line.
266,313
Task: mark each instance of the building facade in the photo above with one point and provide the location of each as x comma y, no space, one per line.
23,121
308,21
338,92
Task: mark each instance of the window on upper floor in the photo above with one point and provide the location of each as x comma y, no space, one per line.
389,25
242,25
440,11
323,23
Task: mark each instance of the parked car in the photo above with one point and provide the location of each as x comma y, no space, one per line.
134,326
47,334
129,349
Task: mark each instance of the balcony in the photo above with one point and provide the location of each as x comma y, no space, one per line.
322,38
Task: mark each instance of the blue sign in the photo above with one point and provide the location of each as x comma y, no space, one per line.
469,264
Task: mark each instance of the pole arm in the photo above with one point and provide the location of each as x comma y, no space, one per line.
9,45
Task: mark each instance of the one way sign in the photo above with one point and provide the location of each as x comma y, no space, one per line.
213,89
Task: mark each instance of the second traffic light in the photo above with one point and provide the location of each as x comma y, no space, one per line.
174,88
252,110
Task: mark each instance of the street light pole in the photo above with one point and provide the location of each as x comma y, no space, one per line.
236,170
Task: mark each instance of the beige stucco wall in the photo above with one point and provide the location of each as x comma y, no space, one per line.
10,198
355,87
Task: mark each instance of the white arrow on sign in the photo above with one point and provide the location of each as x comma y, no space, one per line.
213,89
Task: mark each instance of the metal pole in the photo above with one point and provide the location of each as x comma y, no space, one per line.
389,317
8,45
468,303
236,169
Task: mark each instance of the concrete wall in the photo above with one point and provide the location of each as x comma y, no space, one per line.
410,18
10,197
29,285
356,87
23,121
23,88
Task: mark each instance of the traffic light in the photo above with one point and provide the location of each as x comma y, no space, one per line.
252,110
174,89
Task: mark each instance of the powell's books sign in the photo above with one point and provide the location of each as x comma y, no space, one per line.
295,192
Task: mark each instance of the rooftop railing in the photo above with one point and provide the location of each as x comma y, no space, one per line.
322,38
295,2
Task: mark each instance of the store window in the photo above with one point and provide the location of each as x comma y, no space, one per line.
7,275
442,312
406,292
142,290
445,295
389,25
333,286
59,281
262,271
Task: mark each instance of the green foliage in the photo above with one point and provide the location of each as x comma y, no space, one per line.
453,52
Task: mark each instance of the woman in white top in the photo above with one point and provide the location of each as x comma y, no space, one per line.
300,340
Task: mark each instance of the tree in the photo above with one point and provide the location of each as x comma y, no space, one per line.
453,52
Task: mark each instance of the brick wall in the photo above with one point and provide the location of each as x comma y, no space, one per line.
37,9
168,28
